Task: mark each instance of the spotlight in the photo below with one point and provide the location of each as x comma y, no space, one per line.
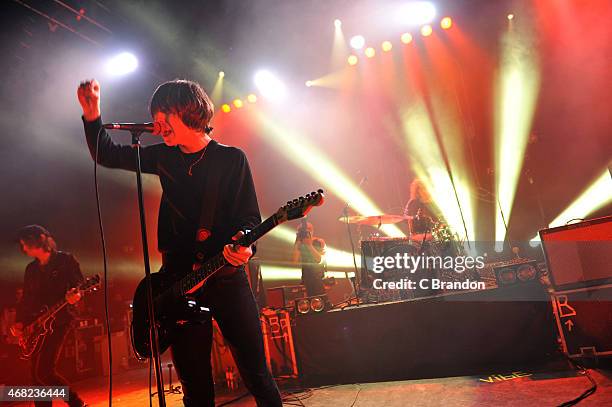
426,30
406,38
526,272
446,23
308,83
122,64
357,42
238,103
252,98
226,108
315,303
352,60
386,46
506,276
516,271
370,52
221,74
270,86
302,306
337,23
416,13
510,16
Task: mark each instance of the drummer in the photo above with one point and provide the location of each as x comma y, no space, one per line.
422,211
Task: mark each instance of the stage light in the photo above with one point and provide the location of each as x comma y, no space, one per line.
517,88
406,38
334,258
357,42
314,304
238,103
387,46
428,164
317,304
593,198
337,23
319,165
507,276
122,64
308,84
426,30
226,108
352,60
302,306
446,23
252,98
510,16
270,86
416,13
221,74
526,272
516,271
370,52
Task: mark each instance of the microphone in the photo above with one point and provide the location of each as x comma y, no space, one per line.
154,128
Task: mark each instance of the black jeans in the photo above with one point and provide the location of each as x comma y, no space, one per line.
233,306
44,362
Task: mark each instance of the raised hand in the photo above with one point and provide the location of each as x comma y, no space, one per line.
89,98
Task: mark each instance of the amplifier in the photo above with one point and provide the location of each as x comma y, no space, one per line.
584,318
80,353
579,255
285,296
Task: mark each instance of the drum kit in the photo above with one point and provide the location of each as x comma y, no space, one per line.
437,240
438,231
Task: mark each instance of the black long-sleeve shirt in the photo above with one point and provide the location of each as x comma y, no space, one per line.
182,198
45,285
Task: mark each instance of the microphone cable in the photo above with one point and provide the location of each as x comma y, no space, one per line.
103,240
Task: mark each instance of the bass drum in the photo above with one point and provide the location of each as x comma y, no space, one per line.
405,270
399,269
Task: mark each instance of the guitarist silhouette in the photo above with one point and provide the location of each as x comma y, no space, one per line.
51,277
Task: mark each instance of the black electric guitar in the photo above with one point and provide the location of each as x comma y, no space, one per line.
33,334
171,295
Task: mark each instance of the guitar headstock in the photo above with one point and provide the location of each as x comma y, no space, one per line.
90,284
299,207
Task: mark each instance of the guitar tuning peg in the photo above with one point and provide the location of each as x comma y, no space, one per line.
320,191
295,201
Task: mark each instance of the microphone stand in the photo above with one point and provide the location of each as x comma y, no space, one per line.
153,334
356,284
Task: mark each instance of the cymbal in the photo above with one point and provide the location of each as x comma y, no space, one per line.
351,219
375,220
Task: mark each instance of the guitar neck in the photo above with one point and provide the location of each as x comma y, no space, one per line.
207,269
88,285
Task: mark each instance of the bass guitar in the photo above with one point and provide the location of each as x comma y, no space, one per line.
33,334
172,299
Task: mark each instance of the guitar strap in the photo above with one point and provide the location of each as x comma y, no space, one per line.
211,190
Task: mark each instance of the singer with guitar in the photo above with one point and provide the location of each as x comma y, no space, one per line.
51,277
208,200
